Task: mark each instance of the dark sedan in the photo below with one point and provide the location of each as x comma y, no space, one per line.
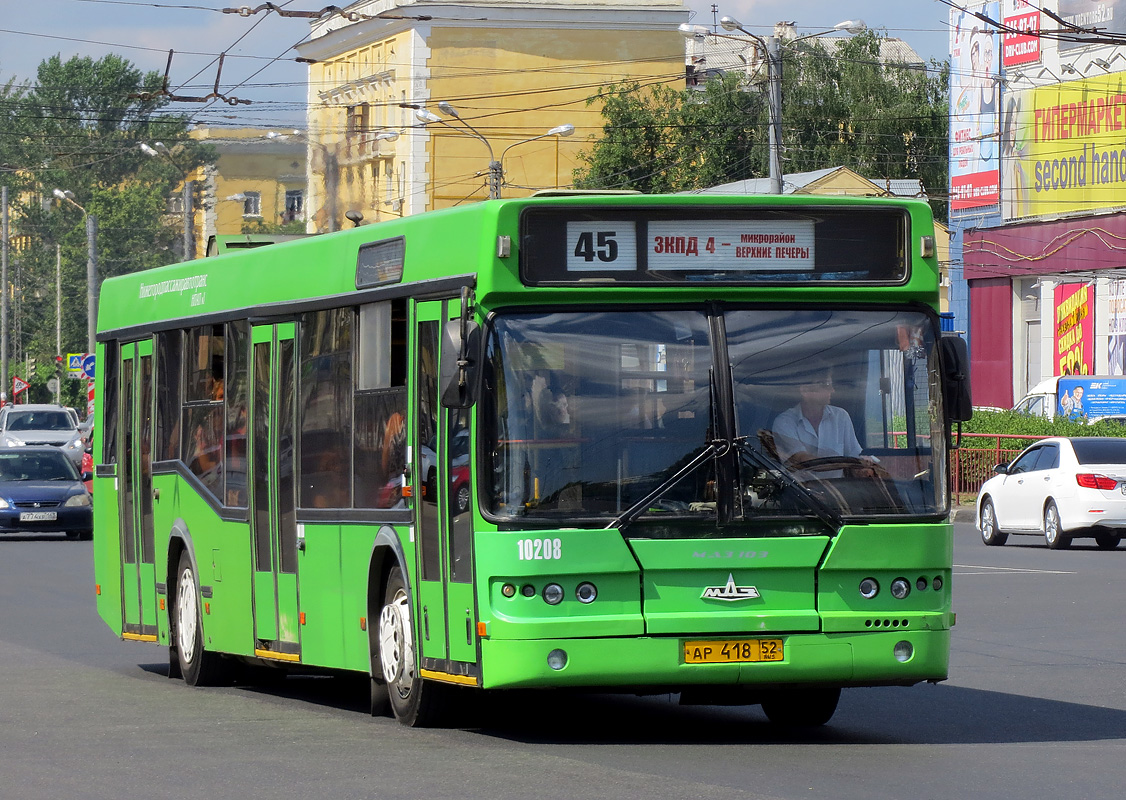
40,490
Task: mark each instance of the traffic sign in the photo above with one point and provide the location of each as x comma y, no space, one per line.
18,385
88,366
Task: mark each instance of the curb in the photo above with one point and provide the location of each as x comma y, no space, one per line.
963,514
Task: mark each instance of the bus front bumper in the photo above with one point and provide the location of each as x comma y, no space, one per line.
838,659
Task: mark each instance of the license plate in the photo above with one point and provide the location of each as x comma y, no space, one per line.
731,651
38,516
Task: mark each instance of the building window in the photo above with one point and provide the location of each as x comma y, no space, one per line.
294,205
175,204
252,204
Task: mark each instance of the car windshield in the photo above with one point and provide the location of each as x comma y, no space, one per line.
45,466
40,421
618,415
1100,451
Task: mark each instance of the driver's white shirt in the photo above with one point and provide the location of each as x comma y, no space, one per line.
835,436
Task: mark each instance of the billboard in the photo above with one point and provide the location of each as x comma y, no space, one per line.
1116,344
1108,17
1075,329
1090,398
1024,47
974,107
1062,148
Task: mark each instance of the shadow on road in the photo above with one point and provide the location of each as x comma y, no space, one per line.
942,714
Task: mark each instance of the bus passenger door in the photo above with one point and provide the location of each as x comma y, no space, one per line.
273,522
135,523
443,488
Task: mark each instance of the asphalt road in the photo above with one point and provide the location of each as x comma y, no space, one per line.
1035,708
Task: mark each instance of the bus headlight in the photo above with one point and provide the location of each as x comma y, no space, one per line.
903,651
869,588
900,588
553,594
586,592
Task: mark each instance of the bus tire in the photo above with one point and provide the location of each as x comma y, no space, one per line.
413,700
198,667
802,707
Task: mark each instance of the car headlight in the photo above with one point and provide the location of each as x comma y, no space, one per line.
76,444
11,441
77,500
4,503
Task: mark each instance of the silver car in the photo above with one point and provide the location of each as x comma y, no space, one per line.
41,424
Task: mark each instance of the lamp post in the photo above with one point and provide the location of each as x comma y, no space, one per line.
158,151
91,265
496,166
771,48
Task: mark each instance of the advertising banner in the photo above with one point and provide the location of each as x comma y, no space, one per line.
1108,17
974,108
1062,147
1075,329
1091,398
1020,48
1116,346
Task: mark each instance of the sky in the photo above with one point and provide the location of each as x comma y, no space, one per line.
259,65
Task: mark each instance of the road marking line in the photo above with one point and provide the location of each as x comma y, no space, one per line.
985,569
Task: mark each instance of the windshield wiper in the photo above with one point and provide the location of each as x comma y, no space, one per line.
820,508
711,450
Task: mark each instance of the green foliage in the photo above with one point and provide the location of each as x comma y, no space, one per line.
79,128
844,109
1013,423
260,226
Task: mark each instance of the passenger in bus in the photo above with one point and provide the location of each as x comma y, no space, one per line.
814,428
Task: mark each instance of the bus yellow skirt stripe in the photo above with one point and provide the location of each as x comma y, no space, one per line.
139,637
445,677
276,656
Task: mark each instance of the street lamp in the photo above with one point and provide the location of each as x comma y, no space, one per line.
496,166
91,265
161,151
771,48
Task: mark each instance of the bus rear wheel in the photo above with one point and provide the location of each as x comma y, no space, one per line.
802,708
413,700
197,666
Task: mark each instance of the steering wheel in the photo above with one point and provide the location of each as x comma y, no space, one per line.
848,463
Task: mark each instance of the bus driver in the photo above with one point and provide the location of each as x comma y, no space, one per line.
814,428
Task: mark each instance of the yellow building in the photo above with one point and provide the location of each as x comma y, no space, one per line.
509,72
258,179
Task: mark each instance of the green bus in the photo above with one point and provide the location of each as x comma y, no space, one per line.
639,443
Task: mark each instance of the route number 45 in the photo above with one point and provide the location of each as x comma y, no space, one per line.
600,244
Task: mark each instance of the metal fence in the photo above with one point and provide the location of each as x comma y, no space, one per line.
972,463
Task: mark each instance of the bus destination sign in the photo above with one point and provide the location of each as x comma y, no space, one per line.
677,245
780,246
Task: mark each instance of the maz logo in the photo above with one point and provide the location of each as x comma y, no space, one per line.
730,592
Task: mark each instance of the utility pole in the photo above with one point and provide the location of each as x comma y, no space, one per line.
189,228
91,280
58,315
774,104
4,286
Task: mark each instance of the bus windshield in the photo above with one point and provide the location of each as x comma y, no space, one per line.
831,414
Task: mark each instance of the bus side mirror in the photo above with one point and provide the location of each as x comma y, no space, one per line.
459,363
955,357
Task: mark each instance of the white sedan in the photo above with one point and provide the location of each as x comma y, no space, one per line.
1061,489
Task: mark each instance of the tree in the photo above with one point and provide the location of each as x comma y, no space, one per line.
884,120
80,128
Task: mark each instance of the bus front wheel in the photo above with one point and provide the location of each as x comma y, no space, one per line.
413,700
198,667
802,708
